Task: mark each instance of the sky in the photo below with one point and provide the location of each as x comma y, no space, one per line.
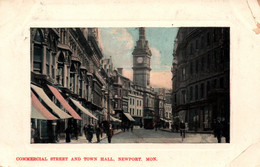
119,43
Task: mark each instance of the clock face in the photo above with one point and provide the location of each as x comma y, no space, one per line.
139,60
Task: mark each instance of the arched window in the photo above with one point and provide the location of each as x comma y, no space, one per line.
38,52
60,69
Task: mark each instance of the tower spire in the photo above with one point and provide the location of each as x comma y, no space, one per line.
142,33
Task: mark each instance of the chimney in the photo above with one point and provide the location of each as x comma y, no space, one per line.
120,70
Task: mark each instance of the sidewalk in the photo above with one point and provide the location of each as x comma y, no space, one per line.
82,139
198,137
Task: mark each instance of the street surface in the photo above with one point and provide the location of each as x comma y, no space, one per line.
149,136
159,136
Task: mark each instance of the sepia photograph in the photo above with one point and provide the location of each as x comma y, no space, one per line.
130,85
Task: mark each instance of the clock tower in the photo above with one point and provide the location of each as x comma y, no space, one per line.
141,61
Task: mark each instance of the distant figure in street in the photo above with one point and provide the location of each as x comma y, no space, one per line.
33,132
132,127
98,132
156,126
68,134
141,125
110,133
85,131
182,128
218,130
123,127
127,128
90,131
76,132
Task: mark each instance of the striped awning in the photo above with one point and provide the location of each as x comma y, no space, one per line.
83,109
38,111
113,119
128,116
64,103
46,99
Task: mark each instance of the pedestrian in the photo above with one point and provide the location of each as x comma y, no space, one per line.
98,132
90,131
124,127
141,125
182,128
76,132
85,128
156,126
110,133
33,132
132,127
127,128
218,130
68,134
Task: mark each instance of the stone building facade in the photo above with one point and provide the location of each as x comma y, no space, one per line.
65,66
200,77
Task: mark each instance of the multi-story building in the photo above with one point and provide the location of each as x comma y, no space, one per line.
135,103
201,76
141,76
66,79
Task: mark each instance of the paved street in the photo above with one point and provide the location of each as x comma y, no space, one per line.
159,136
149,136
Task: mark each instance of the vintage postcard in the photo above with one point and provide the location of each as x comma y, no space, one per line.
129,83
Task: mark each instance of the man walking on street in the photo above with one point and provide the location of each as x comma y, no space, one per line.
98,132
110,133
182,128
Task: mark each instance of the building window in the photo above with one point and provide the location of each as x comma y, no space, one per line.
183,97
183,73
47,62
191,48
214,84
137,112
202,63
208,86
133,101
215,58
191,93
53,65
197,44
133,111
191,68
209,61
37,58
197,66
196,92
60,70
202,90
208,39
137,102
202,42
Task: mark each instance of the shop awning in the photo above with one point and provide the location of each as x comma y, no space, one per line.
64,103
39,111
45,98
128,116
113,119
83,109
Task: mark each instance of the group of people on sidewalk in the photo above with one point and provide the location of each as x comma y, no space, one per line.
220,129
89,131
